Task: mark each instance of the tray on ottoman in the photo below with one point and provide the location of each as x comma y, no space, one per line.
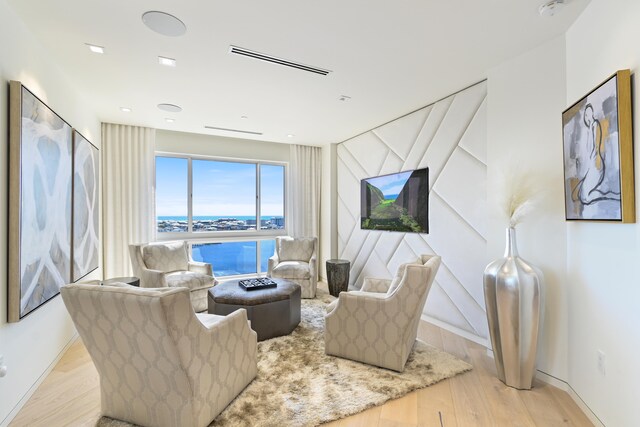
259,283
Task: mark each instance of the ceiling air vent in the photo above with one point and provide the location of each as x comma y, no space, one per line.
273,59
233,130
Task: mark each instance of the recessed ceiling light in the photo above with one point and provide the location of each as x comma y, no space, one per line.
171,108
163,23
168,120
169,62
95,48
551,8
125,109
290,135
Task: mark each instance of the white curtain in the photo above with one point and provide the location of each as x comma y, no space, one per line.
305,175
128,202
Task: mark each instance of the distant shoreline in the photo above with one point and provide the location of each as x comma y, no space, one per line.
179,224
213,217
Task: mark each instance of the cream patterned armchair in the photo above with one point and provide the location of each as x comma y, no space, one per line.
160,364
295,259
378,325
168,264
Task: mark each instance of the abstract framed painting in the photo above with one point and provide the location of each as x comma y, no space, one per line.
598,154
40,197
86,212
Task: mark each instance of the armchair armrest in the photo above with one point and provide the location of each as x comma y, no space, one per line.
350,302
313,268
152,279
211,342
273,261
332,306
236,320
375,285
200,267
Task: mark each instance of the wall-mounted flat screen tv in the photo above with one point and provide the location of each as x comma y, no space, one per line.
396,202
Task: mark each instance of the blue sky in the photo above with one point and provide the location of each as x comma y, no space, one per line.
390,184
219,188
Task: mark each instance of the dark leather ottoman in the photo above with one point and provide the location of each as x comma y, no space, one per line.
273,312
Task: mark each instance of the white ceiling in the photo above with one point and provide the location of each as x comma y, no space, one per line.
390,57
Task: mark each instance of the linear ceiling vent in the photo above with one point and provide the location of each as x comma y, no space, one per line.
233,130
261,56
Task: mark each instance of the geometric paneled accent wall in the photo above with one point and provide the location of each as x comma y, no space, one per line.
450,138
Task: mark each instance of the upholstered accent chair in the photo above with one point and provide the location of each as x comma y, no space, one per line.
161,364
378,325
295,259
168,264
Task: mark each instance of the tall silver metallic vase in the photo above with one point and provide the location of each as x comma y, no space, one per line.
513,292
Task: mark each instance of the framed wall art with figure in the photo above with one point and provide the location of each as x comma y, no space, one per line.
598,153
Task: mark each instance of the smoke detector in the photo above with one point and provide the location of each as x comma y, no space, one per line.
551,8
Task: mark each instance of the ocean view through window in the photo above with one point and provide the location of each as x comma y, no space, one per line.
201,198
234,258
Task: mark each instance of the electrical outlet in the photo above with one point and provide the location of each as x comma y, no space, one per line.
3,367
602,361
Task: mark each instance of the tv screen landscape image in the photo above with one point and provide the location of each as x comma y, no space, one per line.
396,202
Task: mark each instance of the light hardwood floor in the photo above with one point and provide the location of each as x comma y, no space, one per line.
70,396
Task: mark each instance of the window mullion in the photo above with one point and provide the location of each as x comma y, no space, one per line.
190,197
258,218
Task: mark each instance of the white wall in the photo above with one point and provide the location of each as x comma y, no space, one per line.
31,345
526,97
592,269
450,138
604,259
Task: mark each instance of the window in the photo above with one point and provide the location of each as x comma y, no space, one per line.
224,196
206,197
172,187
226,210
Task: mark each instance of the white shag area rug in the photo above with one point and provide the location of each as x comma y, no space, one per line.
299,385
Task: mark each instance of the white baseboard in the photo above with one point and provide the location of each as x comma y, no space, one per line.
465,334
565,386
39,381
584,408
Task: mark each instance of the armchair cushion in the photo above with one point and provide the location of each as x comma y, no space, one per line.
293,269
165,257
299,249
189,279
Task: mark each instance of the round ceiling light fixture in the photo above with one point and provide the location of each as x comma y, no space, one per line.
170,108
551,8
164,23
